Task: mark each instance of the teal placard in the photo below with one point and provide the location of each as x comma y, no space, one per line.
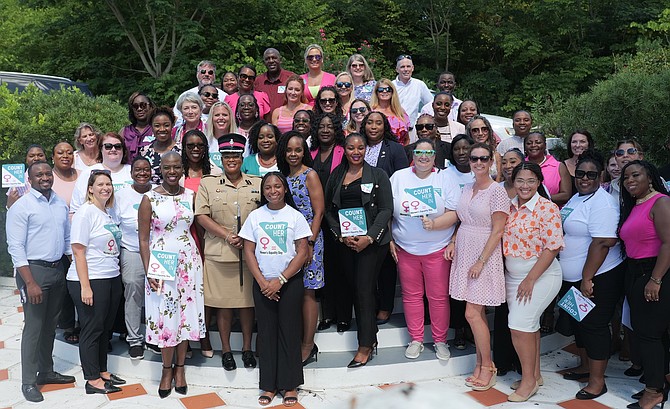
353,222
215,157
13,174
575,304
421,201
163,265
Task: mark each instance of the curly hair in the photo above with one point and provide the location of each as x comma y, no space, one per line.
338,101
337,128
388,133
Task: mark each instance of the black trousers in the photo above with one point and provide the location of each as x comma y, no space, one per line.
336,299
457,314
361,271
650,320
503,349
280,330
386,283
39,329
66,319
96,322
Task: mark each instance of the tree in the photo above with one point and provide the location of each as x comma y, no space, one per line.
437,16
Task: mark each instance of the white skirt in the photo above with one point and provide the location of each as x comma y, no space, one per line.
526,317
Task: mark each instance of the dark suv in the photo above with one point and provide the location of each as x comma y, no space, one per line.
45,83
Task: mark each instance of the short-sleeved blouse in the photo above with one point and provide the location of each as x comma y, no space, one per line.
532,228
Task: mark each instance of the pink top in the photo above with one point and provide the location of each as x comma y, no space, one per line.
552,179
338,153
400,128
64,188
533,227
285,123
639,233
326,80
261,97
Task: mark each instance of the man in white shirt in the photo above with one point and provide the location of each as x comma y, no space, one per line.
38,234
412,92
205,73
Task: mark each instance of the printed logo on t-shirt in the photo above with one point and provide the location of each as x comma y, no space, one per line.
565,212
273,237
112,247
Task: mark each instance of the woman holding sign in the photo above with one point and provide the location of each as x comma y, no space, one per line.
94,280
592,255
173,300
424,204
275,250
533,237
359,205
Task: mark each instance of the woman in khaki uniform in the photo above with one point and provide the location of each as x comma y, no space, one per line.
228,283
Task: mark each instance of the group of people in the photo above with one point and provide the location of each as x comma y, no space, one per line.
278,194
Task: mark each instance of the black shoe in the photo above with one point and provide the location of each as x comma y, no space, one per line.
637,396
584,395
228,362
54,378
459,339
248,359
313,354
110,348
324,324
164,393
632,371
31,393
355,364
343,326
575,376
182,390
152,348
109,388
114,380
136,352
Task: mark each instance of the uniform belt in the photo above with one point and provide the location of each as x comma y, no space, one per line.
47,264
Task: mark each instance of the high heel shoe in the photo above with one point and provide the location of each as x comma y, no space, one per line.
164,393
314,353
355,364
472,378
650,391
182,390
479,386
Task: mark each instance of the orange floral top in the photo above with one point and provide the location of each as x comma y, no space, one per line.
532,228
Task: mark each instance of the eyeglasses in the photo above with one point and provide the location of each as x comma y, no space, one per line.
483,129
343,84
300,120
357,65
191,146
327,101
421,127
621,152
214,95
590,175
402,57
525,182
110,146
210,72
424,152
475,159
360,110
316,57
384,89
142,105
247,77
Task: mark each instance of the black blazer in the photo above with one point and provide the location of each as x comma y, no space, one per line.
378,204
391,157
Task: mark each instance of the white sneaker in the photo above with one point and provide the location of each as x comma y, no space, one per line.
414,349
442,351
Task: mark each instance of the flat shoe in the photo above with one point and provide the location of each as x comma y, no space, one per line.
109,388
575,376
515,397
266,398
343,326
290,400
584,395
633,371
114,380
228,362
248,359
515,384
324,324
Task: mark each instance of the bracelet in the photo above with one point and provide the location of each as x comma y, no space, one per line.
480,258
282,279
656,280
226,239
311,242
371,239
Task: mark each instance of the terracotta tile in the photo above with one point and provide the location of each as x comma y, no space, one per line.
394,385
572,348
128,391
4,374
207,400
55,387
297,405
2,344
16,291
488,398
19,309
582,404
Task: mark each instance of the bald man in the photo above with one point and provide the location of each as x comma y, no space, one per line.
273,82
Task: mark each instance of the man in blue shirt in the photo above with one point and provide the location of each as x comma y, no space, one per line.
38,234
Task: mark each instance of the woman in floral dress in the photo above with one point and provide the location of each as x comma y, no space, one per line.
174,308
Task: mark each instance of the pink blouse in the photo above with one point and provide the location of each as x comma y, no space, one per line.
533,227
326,80
639,233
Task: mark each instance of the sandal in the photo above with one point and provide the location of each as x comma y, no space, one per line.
266,398
71,337
479,385
290,400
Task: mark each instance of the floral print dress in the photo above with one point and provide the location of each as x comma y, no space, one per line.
175,314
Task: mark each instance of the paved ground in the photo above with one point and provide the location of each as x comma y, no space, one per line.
439,393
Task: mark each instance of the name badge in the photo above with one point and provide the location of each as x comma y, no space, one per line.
366,187
281,89
353,222
163,265
13,175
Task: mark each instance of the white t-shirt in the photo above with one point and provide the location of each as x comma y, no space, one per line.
274,232
120,179
80,165
408,231
461,179
126,204
585,217
97,231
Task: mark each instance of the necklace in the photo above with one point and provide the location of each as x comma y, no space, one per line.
267,164
646,197
168,190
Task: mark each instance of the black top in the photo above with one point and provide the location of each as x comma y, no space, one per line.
322,169
350,195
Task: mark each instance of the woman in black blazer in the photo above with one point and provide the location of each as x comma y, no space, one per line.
356,186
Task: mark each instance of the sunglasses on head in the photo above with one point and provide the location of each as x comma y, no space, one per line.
101,172
327,100
421,127
343,84
424,152
247,77
191,146
384,89
621,152
316,57
475,159
139,105
214,95
402,57
360,110
590,175
210,72
109,146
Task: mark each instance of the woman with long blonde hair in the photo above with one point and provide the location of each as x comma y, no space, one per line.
386,100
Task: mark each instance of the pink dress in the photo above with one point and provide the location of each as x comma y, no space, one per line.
475,229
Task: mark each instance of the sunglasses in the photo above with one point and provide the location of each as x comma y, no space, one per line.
475,159
327,100
402,57
191,146
110,146
590,175
300,120
343,84
314,57
210,72
483,129
214,95
621,152
247,77
142,105
421,152
421,127
384,89
357,65
360,110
